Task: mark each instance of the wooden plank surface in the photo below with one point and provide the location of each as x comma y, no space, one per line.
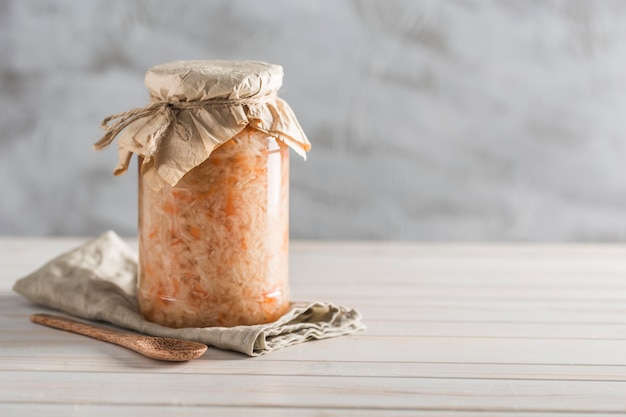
535,330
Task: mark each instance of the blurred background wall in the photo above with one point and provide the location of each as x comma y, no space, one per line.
430,120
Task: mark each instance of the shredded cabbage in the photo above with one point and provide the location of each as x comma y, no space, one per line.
213,250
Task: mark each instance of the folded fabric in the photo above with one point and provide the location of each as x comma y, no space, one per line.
97,281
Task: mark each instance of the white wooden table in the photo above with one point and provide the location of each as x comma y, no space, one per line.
452,330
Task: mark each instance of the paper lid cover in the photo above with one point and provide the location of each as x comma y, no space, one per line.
195,107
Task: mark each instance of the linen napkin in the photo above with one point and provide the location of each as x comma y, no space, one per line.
97,281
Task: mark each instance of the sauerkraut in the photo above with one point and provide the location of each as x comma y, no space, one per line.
214,248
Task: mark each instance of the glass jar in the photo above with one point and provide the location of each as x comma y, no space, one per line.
213,147
213,249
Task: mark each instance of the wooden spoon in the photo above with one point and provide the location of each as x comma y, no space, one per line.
161,348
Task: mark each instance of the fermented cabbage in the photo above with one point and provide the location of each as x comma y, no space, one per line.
214,248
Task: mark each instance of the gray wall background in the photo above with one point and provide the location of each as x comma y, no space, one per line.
430,120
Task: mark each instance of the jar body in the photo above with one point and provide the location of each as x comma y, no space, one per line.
213,250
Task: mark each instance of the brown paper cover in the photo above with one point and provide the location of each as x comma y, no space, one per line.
195,107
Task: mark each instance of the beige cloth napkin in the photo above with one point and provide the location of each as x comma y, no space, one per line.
97,281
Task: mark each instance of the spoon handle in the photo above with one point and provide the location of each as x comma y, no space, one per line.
112,336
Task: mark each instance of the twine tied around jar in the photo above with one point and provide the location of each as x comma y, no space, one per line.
168,110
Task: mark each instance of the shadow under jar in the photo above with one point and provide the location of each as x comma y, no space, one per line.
213,249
